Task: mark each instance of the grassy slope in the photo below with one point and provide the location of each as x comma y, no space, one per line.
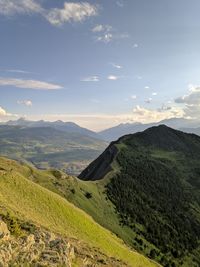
33,202
99,207
102,210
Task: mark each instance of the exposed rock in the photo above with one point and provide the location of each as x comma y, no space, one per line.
4,232
39,249
43,248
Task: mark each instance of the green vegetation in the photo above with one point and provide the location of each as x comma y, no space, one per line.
156,192
47,147
31,202
149,195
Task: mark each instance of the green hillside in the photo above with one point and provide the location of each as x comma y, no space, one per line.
31,202
153,180
145,188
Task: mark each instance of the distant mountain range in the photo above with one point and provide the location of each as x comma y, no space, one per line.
69,127
114,133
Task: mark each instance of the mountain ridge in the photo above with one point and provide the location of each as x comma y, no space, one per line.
150,136
154,183
116,132
59,125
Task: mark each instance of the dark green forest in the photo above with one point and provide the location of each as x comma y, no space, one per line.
158,190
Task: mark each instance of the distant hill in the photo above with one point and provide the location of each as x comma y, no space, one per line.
69,127
114,133
191,130
39,227
49,147
153,180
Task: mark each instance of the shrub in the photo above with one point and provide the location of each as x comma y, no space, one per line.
88,195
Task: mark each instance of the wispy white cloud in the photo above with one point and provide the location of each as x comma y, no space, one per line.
117,66
19,71
106,33
27,103
29,84
133,97
71,12
76,12
154,93
98,28
90,79
12,7
146,87
106,38
112,77
101,28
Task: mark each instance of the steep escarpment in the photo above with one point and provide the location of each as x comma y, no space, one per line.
101,166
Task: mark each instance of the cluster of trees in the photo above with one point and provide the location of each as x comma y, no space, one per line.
150,192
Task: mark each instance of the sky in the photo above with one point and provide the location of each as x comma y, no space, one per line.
99,63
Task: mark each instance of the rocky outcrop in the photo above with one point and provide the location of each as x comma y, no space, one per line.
43,248
4,232
39,249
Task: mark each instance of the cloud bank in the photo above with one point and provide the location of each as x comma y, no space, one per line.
191,102
5,116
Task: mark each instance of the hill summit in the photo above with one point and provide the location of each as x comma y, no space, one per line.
153,180
160,137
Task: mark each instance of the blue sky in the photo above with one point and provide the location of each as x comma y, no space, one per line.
99,63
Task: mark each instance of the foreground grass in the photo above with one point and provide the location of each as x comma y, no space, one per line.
33,202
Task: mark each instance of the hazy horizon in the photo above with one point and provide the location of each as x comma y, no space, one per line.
99,63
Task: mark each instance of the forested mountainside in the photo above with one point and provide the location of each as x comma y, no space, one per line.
153,180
